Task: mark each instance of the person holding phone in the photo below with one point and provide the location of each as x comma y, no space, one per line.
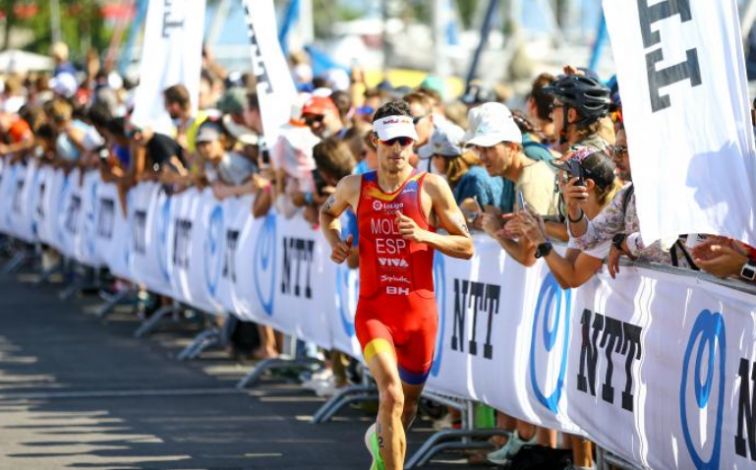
595,172
497,141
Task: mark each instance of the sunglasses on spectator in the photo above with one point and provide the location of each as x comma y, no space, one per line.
310,120
403,141
417,119
619,150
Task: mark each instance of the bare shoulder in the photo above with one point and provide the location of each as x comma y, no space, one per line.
350,182
436,186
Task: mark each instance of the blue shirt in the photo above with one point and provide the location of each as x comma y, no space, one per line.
487,190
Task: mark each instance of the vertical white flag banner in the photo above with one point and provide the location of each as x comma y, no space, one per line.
275,87
172,54
685,101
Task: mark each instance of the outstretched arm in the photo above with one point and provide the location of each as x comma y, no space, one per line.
458,243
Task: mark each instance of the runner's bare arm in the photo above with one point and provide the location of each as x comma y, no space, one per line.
345,196
458,243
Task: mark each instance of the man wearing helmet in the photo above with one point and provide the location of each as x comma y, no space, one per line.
581,105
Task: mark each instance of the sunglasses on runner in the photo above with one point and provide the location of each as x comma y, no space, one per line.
403,141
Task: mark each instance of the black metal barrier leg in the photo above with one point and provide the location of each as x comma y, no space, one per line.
151,323
123,297
47,274
204,340
453,439
14,264
351,394
275,363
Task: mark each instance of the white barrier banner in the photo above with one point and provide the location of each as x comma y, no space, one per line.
69,218
7,190
150,215
659,368
201,254
85,248
40,202
301,288
687,114
494,328
113,239
229,218
171,54
275,87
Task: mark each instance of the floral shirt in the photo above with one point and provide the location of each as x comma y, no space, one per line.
620,216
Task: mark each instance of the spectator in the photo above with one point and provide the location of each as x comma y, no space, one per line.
619,224
229,173
724,257
472,186
539,105
421,107
59,53
321,115
580,103
497,141
595,172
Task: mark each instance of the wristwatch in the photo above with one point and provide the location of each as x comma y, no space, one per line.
617,241
543,249
748,271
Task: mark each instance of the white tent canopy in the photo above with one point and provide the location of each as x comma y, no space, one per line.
15,60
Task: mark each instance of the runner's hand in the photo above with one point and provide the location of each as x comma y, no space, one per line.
408,228
340,251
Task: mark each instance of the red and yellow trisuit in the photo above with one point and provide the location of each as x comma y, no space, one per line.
397,306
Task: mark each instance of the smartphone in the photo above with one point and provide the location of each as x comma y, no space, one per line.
521,200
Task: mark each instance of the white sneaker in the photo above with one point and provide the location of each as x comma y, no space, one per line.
318,379
510,449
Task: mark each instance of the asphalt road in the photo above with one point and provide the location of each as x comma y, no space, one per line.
78,392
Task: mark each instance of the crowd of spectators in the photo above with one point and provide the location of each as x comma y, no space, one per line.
558,170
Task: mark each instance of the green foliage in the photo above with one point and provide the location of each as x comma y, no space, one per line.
81,26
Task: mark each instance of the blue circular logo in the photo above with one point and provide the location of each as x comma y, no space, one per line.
439,282
162,237
35,203
213,248
130,224
65,189
709,332
90,218
557,302
10,189
264,259
342,298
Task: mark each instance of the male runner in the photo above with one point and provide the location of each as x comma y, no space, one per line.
397,210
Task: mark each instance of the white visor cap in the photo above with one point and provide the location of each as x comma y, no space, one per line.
391,127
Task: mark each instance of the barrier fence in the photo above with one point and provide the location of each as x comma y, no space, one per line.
657,367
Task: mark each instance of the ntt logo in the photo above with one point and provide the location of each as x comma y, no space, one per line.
264,259
709,342
551,322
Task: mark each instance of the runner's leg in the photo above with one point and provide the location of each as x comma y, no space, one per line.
382,364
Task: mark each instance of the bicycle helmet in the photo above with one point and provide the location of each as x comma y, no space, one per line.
587,95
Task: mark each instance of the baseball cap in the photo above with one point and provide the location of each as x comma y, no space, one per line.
234,101
446,141
64,84
243,134
391,127
208,132
319,105
491,123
